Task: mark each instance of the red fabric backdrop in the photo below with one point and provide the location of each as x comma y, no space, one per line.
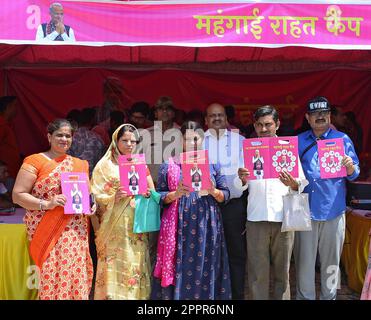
31,55
50,92
2,83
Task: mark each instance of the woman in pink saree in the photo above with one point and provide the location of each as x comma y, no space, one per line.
192,259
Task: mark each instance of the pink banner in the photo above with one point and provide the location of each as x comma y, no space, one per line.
194,24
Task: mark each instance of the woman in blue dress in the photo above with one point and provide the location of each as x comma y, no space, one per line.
192,260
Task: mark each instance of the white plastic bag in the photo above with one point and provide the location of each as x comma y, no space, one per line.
296,213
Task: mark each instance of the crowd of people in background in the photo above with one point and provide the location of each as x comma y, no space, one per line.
205,243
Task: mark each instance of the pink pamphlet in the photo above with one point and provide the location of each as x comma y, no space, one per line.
330,155
266,158
284,155
133,173
257,158
75,186
196,170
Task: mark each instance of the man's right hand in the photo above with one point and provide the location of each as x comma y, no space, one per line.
243,174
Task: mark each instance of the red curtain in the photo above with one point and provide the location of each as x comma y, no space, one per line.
45,94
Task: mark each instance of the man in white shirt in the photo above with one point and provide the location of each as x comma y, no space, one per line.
266,243
55,30
225,148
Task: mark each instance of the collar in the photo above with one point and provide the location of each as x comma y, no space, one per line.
325,135
208,133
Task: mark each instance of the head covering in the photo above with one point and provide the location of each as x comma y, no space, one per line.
113,151
106,173
318,104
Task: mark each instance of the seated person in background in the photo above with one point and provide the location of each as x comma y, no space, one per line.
55,30
6,187
138,115
196,115
73,117
86,144
9,150
117,118
354,130
231,117
181,116
113,95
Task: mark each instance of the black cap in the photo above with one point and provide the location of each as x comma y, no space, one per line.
318,104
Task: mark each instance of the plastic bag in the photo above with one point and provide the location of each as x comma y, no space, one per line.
296,213
147,213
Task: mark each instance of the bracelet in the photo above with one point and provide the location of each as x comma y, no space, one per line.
41,205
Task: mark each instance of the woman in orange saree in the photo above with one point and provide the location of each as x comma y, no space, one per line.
58,242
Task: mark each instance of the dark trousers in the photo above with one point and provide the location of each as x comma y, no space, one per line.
234,217
93,254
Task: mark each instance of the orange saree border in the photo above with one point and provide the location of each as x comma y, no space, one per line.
52,226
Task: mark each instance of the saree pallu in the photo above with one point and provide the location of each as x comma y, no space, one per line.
167,242
123,271
58,242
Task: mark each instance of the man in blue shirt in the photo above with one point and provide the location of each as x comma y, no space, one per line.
327,206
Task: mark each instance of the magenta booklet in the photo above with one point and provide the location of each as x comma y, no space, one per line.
196,170
266,158
133,173
330,155
75,186
256,157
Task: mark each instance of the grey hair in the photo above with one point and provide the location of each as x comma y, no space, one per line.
54,4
